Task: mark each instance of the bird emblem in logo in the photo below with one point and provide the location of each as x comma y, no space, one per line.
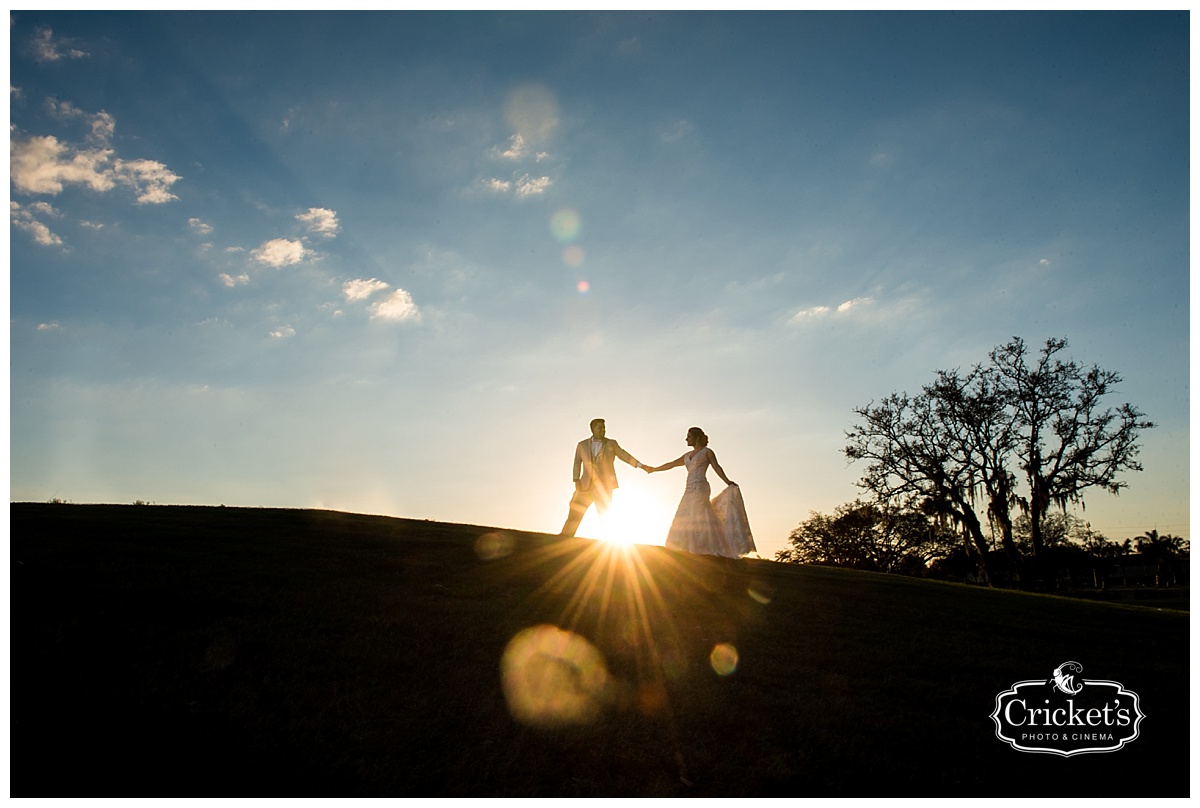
1064,678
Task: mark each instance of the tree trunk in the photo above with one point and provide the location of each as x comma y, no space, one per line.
1001,517
974,531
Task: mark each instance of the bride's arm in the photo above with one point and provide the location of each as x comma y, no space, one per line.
712,461
676,462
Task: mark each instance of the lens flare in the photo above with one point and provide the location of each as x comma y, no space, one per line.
724,659
491,546
553,678
583,287
761,592
573,256
565,225
532,110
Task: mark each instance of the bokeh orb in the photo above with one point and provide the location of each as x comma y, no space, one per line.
724,659
532,111
565,225
553,678
491,546
573,256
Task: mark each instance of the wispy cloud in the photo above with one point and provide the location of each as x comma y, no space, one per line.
517,149
856,303
677,131
361,289
397,306
25,219
283,332
199,226
100,124
819,312
320,222
280,252
150,178
233,280
48,48
521,183
532,186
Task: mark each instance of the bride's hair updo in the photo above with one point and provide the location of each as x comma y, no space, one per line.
701,438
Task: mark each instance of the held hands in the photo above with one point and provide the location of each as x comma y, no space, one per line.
649,469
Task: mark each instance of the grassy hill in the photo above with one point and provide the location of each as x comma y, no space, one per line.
197,651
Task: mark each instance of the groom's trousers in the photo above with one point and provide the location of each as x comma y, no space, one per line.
580,502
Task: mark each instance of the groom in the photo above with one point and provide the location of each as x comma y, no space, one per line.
594,475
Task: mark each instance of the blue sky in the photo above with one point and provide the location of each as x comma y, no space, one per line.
395,262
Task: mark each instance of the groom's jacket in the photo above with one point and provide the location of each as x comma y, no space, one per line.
599,469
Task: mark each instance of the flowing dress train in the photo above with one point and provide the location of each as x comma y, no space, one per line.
718,527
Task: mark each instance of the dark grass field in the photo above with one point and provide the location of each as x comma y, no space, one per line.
196,651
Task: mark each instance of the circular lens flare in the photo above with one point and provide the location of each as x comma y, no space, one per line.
583,287
491,546
724,659
565,225
553,678
573,256
532,110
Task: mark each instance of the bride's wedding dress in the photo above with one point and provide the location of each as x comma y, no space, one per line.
719,527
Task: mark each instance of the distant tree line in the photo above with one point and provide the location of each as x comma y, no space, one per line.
963,474
863,535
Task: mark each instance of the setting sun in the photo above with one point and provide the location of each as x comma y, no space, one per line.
636,517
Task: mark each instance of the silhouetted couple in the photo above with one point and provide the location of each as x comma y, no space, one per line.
718,527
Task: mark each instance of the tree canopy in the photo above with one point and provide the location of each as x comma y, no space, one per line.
1015,434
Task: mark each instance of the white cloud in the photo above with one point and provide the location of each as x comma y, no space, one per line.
199,226
51,326
280,252
320,221
532,186
810,314
150,178
853,304
23,219
360,290
45,209
48,49
283,333
101,125
517,149
818,312
233,280
497,185
397,306
43,164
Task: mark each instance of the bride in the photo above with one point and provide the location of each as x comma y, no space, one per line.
718,527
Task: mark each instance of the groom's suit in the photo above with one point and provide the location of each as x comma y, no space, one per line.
595,478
